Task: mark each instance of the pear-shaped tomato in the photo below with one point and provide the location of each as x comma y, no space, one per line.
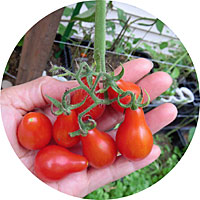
134,138
55,162
64,125
99,148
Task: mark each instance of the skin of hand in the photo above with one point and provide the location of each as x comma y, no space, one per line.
31,95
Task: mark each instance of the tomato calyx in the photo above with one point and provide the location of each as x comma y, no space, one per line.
110,81
65,107
135,103
84,126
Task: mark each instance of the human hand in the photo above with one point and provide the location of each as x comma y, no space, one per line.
18,100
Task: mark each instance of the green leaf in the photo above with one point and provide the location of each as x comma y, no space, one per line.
110,28
87,16
159,25
72,32
128,46
120,49
108,44
61,29
20,43
147,47
163,45
136,40
128,30
67,11
54,101
121,16
90,4
175,73
7,68
191,133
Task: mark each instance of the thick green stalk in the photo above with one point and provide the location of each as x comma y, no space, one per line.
68,30
71,24
100,30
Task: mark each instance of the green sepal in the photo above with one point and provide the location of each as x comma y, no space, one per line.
138,102
66,103
102,90
89,125
59,105
90,80
116,88
54,102
57,112
74,106
75,133
87,16
133,99
140,98
120,75
148,100
134,107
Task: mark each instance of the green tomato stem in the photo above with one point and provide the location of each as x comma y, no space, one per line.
100,30
84,126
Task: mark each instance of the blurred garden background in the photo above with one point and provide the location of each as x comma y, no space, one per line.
66,37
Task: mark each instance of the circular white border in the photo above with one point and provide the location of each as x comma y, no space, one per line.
17,17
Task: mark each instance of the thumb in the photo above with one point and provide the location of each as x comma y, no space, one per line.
30,95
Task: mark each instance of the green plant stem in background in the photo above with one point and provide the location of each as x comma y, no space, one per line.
181,125
177,61
100,30
68,30
71,24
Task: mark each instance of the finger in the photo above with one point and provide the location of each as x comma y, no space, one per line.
122,167
135,69
28,160
109,119
155,84
161,116
32,94
157,118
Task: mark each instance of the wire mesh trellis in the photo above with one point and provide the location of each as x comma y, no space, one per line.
121,54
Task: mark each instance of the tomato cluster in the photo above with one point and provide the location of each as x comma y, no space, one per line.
54,161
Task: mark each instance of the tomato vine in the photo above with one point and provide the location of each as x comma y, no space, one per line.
97,70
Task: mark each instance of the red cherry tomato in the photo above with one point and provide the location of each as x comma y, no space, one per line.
134,138
80,95
34,131
55,162
63,125
125,86
99,148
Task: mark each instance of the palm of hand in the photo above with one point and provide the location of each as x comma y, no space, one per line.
81,183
